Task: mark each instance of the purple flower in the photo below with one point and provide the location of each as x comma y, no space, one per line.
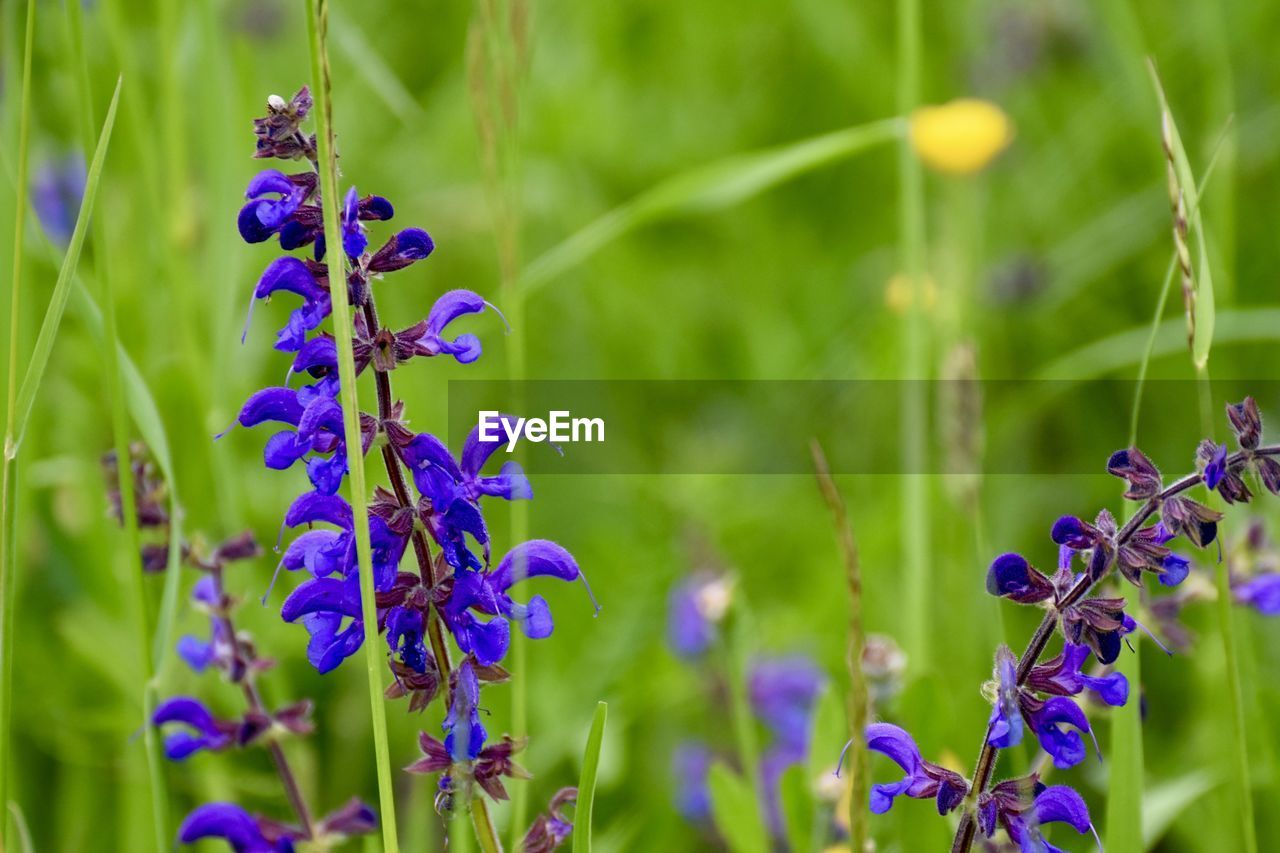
1098,623
403,249
1136,469
1218,475
694,608
783,695
327,552
405,637
1012,577
324,604
454,488
1261,592
1004,728
464,735
1006,805
487,593
428,336
55,195
237,827
302,278
552,828
1064,676
923,780
1065,747
1216,465
690,766
203,730
354,241
273,198
1174,570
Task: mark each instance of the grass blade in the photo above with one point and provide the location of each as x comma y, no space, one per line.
1124,349
62,289
8,479
708,188
317,30
366,60
585,807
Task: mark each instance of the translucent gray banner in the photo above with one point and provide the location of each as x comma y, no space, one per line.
996,427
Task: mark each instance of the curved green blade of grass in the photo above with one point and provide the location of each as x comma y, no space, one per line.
137,397
585,808
8,479
1125,349
62,289
317,30
708,188
366,60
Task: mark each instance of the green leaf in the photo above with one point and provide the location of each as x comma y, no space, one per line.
1163,803
62,289
799,812
587,782
708,188
1123,349
736,811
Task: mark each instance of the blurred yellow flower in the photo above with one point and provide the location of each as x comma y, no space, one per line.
897,293
838,848
960,137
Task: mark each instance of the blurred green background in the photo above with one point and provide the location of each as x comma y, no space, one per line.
1040,263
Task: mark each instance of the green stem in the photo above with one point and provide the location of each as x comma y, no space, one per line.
859,702
1240,774
8,479
915,526
317,30
485,832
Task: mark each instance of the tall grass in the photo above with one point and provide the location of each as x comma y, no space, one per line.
8,480
317,31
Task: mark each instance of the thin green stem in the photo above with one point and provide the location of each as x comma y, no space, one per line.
859,702
1241,774
915,523
317,29
8,479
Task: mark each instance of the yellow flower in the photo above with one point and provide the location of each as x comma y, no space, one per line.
897,293
960,137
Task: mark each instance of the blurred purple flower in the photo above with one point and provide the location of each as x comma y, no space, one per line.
56,191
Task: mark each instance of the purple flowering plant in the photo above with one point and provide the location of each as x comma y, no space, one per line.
1033,697
456,591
